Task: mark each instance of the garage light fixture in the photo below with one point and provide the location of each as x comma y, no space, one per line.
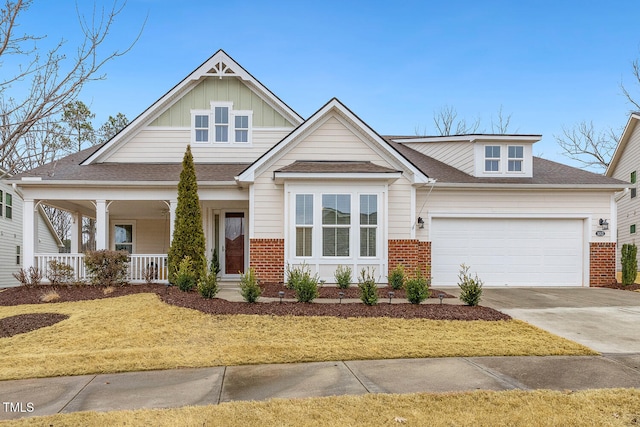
420,222
604,224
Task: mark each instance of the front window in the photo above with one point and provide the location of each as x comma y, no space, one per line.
242,128
201,127
336,221
221,115
368,224
221,124
492,158
304,225
124,237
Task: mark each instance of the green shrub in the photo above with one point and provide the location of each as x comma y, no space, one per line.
107,268
294,274
185,277
60,273
417,288
208,285
343,276
307,288
214,267
249,288
368,287
629,263
471,287
396,278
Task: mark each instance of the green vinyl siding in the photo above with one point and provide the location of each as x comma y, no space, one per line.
229,89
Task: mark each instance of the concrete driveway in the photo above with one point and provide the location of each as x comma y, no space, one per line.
606,320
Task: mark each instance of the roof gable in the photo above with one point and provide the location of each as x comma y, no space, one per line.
334,110
622,144
219,65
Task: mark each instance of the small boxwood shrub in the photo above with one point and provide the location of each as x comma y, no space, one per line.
368,287
417,288
343,276
208,285
629,262
249,287
107,268
60,273
307,288
471,287
396,278
185,275
294,275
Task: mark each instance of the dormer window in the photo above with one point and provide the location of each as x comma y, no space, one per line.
516,156
221,125
492,158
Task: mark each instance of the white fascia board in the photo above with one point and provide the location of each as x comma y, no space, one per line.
79,184
624,139
280,177
471,138
577,187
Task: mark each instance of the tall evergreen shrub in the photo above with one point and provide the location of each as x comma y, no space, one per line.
629,263
188,235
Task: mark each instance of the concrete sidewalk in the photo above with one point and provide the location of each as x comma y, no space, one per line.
205,386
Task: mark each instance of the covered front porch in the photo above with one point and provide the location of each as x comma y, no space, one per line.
144,229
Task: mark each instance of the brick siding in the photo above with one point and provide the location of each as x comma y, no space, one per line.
266,256
602,263
412,254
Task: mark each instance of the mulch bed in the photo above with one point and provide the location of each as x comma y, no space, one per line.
22,323
633,287
272,290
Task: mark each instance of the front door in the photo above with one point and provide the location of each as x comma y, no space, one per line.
234,242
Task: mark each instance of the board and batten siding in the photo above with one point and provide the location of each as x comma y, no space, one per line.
628,208
460,155
227,89
517,204
168,146
331,141
10,238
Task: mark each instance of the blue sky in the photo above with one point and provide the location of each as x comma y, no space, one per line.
547,63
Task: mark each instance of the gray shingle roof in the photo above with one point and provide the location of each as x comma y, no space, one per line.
335,167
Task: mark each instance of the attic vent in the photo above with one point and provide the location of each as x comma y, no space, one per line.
221,69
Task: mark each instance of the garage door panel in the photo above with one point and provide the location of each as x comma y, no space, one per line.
509,251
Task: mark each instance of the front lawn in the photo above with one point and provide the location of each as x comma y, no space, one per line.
139,332
613,407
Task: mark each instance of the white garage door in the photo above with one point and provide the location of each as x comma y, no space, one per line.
508,251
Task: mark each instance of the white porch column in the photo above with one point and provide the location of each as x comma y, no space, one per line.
76,232
172,218
28,234
102,225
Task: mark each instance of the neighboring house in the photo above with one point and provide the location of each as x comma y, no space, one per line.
11,246
278,190
625,166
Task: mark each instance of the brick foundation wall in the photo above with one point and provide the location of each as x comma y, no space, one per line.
411,253
602,263
266,256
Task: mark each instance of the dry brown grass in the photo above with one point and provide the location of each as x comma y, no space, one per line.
50,296
613,407
108,290
139,332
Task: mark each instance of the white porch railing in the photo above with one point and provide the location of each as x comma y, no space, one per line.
141,266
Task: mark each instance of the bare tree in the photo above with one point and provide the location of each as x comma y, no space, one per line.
592,148
447,123
635,70
501,125
43,82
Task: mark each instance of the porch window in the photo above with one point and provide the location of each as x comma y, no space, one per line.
368,224
304,225
336,224
124,237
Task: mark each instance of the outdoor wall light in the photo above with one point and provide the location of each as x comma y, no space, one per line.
340,295
420,222
281,295
604,224
391,294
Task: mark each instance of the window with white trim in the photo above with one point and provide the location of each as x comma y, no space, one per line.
1,203
8,209
368,224
221,125
516,157
124,237
304,225
492,158
336,224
